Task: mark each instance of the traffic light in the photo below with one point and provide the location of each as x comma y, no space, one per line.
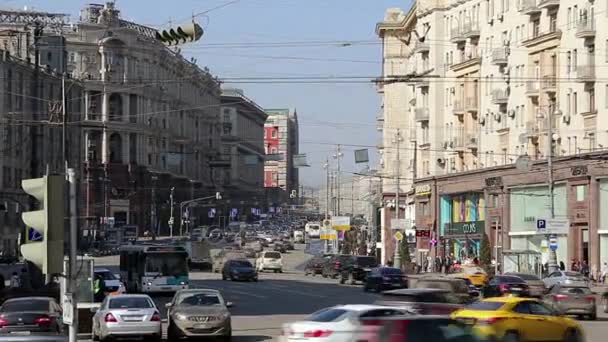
49,220
180,35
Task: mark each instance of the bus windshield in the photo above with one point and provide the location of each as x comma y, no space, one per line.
167,264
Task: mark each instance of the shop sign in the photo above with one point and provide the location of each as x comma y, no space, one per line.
423,190
493,182
464,228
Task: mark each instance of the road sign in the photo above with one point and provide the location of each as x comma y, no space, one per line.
111,221
398,236
553,226
553,243
541,224
327,223
433,242
33,234
340,222
171,221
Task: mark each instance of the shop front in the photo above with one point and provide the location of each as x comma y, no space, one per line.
462,224
603,221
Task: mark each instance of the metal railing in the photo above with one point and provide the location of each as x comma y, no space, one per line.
532,86
500,55
586,72
422,114
500,96
585,28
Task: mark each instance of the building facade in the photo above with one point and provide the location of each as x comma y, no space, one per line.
32,135
243,147
281,139
492,81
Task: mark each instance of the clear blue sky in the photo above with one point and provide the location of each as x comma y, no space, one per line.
328,113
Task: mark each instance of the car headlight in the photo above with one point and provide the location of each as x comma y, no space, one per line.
149,284
183,283
181,317
224,316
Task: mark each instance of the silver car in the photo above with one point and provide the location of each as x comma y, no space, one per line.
536,287
199,313
565,277
572,300
125,316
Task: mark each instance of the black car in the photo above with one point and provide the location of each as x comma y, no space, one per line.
333,267
357,268
384,278
239,270
503,285
280,247
314,266
31,315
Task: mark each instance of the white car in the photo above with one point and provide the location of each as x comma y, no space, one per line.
336,324
565,277
269,261
127,316
112,282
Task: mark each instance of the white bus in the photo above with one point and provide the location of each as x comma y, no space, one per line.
154,268
313,230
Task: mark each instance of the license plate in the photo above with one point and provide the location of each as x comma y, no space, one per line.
132,318
516,288
165,288
200,326
367,269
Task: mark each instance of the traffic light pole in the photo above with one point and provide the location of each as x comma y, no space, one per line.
73,330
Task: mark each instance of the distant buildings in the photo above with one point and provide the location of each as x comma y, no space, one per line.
281,139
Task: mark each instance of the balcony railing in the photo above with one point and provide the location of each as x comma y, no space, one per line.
459,107
586,73
585,28
533,87
422,114
549,83
500,96
422,47
548,3
472,141
500,56
472,104
457,36
471,29
459,141
529,7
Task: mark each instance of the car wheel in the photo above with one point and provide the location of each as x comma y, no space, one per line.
323,275
605,305
510,336
223,276
94,336
342,280
593,317
572,336
281,270
352,279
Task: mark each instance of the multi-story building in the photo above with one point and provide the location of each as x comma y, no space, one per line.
243,149
495,81
31,131
281,139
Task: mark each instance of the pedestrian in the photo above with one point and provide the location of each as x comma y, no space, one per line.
15,280
562,266
99,289
594,275
585,268
604,273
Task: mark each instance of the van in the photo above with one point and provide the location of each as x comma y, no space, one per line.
269,260
298,236
313,230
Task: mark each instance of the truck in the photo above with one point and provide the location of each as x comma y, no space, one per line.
199,254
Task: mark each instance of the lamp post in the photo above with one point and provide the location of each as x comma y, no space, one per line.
397,255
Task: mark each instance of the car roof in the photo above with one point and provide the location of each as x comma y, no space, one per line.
100,269
130,295
361,307
214,291
414,291
29,298
506,300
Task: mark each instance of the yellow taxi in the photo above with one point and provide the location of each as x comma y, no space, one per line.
476,275
512,319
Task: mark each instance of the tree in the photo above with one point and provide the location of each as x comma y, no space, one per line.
485,252
404,251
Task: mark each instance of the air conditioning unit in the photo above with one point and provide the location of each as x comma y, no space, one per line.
445,144
511,113
566,118
497,117
482,120
500,17
441,161
491,21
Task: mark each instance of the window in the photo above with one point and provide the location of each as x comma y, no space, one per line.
274,133
569,102
592,100
580,192
568,62
606,96
575,103
569,18
574,59
553,22
535,27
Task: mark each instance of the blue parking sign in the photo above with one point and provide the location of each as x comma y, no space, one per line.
541,224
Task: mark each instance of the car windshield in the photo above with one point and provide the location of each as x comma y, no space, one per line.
329,315
241,263
22,305
130,303
526,276
430,284
367,261
106,275
573,275
272,255
485,306
198,299
167,264
391,271
575,290
510,280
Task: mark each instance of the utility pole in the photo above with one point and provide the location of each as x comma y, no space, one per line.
397,254
337,156
64,123
552,263
73,329
35,129
171,219
326,167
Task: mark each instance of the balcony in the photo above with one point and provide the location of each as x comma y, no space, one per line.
500,96
472,141
471,30
533,88
549,83
548,3
458,107
472,104
532,129
500,56
457,36
412,134
585,73
459,142
422,47
585,29
466,60
422,114
529,7
542,37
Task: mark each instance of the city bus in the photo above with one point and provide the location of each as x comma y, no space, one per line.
154,268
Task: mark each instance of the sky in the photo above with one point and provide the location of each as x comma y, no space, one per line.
329,113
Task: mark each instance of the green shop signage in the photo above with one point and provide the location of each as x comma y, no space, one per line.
464,228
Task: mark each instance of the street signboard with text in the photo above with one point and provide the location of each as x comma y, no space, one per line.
340,222
552,226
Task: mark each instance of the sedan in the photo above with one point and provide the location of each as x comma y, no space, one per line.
199,313
384,278
29,315
239,270
503,285
126,316
314,266
564,277
536,287
572,300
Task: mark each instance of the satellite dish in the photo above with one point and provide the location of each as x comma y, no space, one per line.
523,163
523,138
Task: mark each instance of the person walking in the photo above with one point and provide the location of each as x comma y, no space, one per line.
604,273
99,289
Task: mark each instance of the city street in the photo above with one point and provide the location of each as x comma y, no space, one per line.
260,308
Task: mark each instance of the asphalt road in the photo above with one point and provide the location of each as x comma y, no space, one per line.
261,308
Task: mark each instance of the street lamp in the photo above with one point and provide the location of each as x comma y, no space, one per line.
552,262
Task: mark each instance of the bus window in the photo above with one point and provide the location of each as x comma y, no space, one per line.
166,264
